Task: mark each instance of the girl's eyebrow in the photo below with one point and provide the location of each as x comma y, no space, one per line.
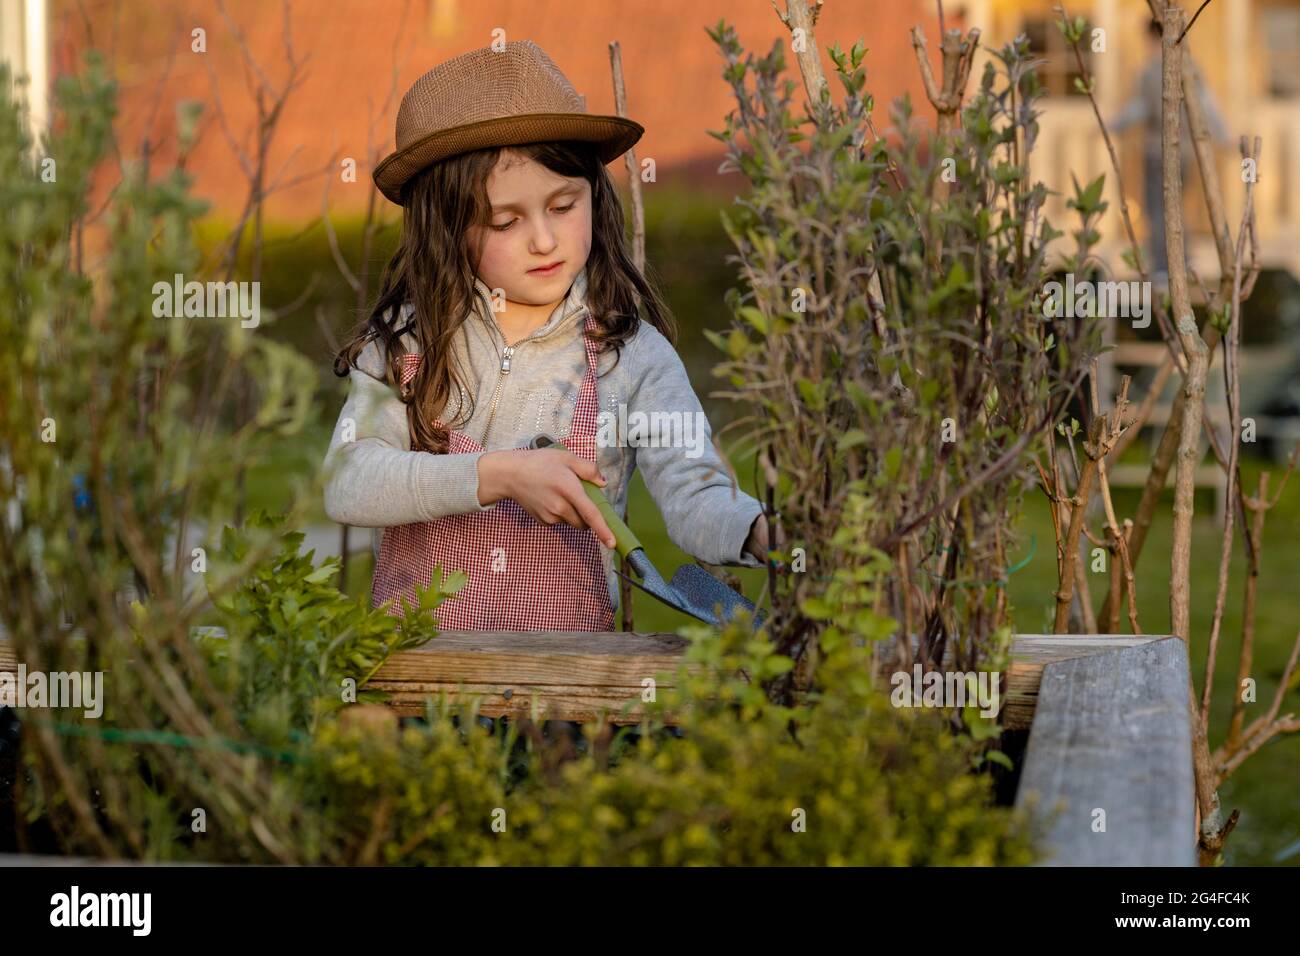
510,205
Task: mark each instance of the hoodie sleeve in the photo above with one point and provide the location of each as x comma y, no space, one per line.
372,478
672,444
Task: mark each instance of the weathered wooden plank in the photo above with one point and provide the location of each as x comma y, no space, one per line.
1112,733
577,674
574,672
547,674
1030,653
553,702
538,658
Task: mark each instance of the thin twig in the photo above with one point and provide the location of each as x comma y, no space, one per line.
1203,5
1231,359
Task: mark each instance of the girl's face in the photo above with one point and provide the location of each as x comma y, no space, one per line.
538,219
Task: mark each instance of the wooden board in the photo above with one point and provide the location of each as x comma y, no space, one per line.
1112,732
575,675
555,674
1030,653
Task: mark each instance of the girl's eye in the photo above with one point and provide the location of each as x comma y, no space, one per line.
505,226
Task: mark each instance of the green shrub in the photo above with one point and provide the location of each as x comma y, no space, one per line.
887,340
293,644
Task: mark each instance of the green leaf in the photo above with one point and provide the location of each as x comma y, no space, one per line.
754,317
817,609
893,462
982,728
811,394
851,439
1088,199
774,665
325,573
1001,759
737,344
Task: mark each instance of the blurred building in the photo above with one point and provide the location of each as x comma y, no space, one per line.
1248,56
24,45
1248,52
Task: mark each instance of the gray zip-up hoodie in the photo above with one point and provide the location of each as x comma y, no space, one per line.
374,480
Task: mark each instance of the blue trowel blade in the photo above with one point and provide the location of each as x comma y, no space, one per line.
703,591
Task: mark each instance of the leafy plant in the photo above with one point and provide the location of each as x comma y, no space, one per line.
888,344
295,649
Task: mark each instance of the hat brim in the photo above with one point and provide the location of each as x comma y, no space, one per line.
614,134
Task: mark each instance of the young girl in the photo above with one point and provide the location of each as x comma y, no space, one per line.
509,312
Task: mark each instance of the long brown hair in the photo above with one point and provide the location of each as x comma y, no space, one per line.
432,270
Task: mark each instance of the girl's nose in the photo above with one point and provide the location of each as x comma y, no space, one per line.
543,238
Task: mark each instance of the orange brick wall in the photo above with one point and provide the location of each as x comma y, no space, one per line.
673,70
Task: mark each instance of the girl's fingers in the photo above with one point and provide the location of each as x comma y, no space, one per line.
587,509
574,508
563,512
593,519
560,508
586,469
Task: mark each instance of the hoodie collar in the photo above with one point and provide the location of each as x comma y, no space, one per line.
573,304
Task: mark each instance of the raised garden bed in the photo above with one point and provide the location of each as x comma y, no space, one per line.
1107,719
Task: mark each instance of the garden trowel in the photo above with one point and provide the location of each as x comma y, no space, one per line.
692,589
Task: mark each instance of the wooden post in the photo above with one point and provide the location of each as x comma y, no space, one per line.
1109,748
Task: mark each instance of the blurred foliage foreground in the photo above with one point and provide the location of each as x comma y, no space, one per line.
263,745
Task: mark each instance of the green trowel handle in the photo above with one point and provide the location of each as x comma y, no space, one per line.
625,540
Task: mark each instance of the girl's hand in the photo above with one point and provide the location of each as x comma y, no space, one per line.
547,483
757,542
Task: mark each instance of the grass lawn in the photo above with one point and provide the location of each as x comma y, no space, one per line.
271,484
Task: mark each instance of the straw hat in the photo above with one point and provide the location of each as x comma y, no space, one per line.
493,98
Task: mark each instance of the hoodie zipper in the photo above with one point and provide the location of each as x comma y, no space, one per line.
496,391
507,354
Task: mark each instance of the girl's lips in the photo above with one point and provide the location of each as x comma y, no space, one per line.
549,271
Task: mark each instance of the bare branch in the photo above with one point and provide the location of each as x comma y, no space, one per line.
1232,375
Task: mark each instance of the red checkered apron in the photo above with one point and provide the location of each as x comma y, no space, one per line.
524,575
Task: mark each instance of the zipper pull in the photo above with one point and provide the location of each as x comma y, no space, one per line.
505,358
